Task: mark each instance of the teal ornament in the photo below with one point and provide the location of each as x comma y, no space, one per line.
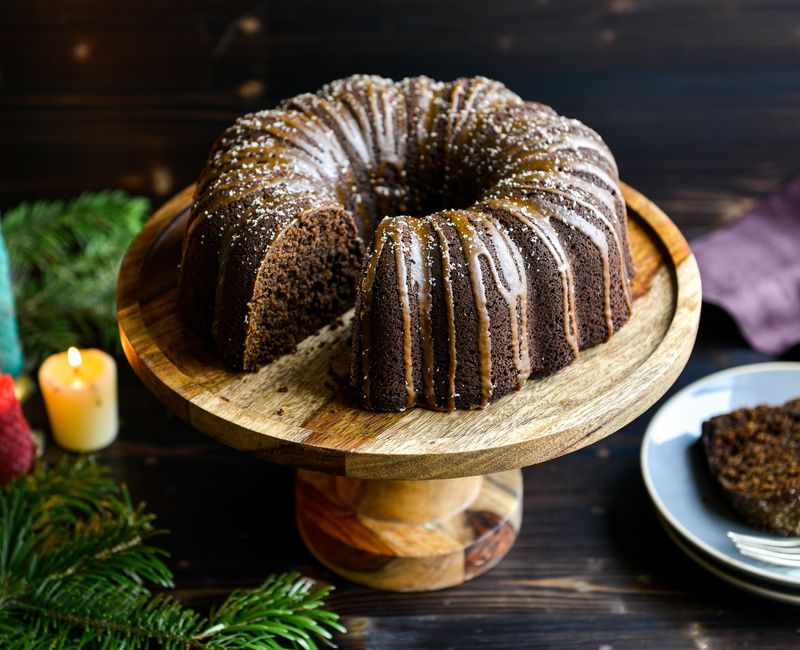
11,359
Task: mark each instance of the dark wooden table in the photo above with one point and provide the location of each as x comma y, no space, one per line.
592,567
700,101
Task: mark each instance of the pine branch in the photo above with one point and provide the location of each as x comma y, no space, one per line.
75,570
284,607
92,613
89,529
282,611
64,260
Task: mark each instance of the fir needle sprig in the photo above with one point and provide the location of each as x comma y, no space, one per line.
77,567
64,259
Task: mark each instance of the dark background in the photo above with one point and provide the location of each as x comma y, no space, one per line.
700,101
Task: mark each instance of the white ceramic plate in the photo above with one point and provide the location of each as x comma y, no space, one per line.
674,466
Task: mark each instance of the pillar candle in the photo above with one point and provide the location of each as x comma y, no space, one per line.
80,392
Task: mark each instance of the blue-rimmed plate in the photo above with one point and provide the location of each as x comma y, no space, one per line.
674,466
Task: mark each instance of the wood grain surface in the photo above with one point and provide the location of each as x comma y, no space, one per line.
409,535
298,410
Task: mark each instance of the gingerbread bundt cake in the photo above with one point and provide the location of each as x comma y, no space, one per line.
496,228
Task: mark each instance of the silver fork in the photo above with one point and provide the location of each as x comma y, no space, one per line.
774,550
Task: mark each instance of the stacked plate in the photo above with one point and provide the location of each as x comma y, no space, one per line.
689,504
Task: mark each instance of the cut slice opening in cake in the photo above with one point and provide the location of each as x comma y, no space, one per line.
305,279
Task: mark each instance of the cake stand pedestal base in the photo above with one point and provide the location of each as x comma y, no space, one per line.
409,535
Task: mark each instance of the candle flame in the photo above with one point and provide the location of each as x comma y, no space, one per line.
74,357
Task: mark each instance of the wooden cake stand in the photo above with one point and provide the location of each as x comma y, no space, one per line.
416,500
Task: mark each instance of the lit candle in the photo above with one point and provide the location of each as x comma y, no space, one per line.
80,393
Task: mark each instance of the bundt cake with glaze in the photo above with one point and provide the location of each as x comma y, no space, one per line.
497,242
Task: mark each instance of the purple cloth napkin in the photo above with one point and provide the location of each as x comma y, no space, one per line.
751,269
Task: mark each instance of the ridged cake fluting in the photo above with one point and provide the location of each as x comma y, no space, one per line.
497,242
